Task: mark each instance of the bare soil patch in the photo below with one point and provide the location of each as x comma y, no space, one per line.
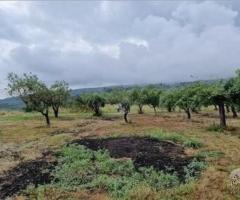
144,151
29,172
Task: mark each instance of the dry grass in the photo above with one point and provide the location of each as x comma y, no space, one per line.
26,134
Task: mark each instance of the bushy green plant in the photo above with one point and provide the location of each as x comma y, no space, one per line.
86,169
159,179
209,154
193,169
215,128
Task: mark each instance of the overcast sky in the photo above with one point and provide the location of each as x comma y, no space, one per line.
125,42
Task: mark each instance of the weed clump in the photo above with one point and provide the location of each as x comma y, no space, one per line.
202,155
215,128
83,168
193,170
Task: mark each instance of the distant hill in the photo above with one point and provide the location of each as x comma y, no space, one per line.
11,103
16,103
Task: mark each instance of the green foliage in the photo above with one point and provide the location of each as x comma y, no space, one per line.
194,169
168,100
153,96
139,96
86,169
91,102
189,98
78,103
115,96
215,94
33,92
124,106
202,155
177,138
59,95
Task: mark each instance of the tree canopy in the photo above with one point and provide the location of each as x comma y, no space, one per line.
33,92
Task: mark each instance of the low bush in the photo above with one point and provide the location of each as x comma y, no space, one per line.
215,128
209,154
193,169
83,168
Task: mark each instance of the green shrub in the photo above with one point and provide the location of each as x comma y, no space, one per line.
209,154
194,169
215,128
159,179
86,169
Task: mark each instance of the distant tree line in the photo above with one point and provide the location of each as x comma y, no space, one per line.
190,98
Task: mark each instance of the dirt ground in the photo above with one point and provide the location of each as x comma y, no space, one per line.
25,138
28,172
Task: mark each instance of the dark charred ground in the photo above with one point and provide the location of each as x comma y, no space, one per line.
29,172
144,151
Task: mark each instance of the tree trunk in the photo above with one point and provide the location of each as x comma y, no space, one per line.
227,108
215,107
169,109
97,111
222,115
140,111
155,111
188,113
45,114
125,117
55,110
235,115
47,118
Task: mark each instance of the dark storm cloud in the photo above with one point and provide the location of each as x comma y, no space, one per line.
102,43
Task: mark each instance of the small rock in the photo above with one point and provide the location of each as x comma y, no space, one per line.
235,177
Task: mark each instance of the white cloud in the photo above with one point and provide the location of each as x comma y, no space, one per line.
6,47
137,41
110,50
102,43
16,7
200,16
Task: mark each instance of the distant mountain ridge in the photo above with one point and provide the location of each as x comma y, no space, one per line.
16,102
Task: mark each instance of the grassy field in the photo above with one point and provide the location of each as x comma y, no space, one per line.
24,136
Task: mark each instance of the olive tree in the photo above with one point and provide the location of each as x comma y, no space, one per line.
95,102
124,106
233,87
115,96
189,99
168,100
152,98
139,97
215,94
59,93
33,92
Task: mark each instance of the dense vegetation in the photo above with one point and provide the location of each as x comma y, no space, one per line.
190,98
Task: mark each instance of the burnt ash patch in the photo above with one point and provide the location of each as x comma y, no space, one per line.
144,151
29,172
